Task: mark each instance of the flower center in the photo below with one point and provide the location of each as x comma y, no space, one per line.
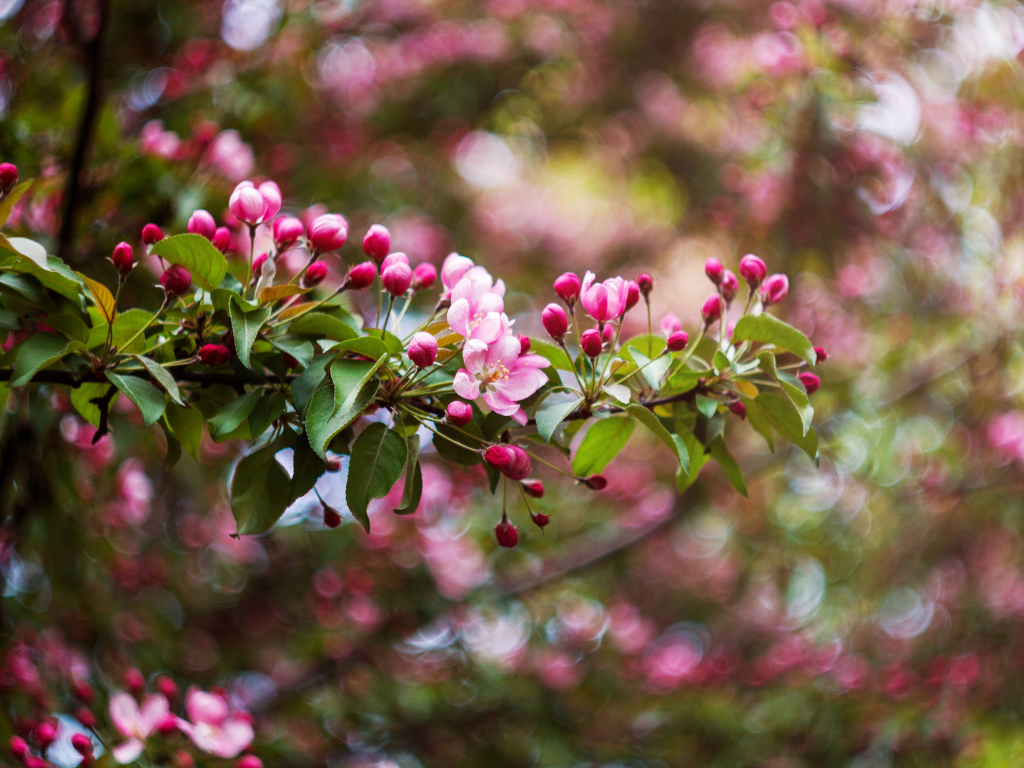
498,373
476,320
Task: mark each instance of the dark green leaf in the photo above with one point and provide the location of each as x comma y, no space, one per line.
259,491
228,418
653,423
323,422
323,326
707,405
785,419
71,326
307,468
306,383
797,395
549,419
770,330
686,477
301,350
728,464
449,444
245,325
413,489
162,377
197,254
601,444
150,401
37,352
187,425
349,377
759,421
268,408
378,458
82,397
554,355
365,345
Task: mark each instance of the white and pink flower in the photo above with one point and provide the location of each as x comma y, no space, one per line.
477,310
214,726
500,374
136,723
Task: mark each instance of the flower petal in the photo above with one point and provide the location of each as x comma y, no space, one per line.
124,713
465,385
154,709
500,404
458,317
128,752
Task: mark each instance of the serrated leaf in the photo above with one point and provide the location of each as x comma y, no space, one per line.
619,391
30,249
378,458
307,468
707,405
102,297
187,425
769,329
649,420
259,491
148,399
323,421
245,325
728,464
301,350
37,352
349,377
228,418
206,264
162,377
367,346
412,491
277,292
549,419
601,444
307,382
267,410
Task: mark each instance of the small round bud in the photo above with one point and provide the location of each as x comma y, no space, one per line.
289,361
332,519
333,463
85,716
222,239
534,488
459,413
377,243
84,691
253,204
123,258
423,350
423,276
176,280
774,289
213,355
753,270
645,283
739,409
590,343
45,734
810,381
554,320
8,177
33,761
396,279
287,230
315,274
168,725
167,687
713,269
540,519
152,234
506,533
248,761
670,324
596,482
19,747
712,309
567,286
328,232
82,744
201,223
677,341
362,275
134,680
524,344
632,295
729,285
820,355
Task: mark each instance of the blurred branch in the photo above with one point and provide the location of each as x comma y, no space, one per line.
87,126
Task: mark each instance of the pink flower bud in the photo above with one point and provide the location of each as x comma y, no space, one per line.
287,230
423,350
459,413
213,354
497,456
506,533
678,340
8,176
739,409
202,223
377,243
45,734
85,716
540,519
820,355
632,295
712,309
151,234
554,320
19,747
670,324
518,466
534,488
396,279
590,343
423,276
328,232
810,381
729,285
774,289
315,274
33,761
713,269
596,482
123,258
222,239
168,725
567,286
753,270
167,687
257,264
84,691
524,344
332,519
134,680
362,275
394,258
645,283
82,744
248,761
176,280
255,205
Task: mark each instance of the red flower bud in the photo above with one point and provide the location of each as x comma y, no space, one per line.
810,381
645,283
287,230
8,176
712,309
729,285
423,276
333,463
214,354
45,734
289,361
753,270
591,343
84,691
82,745
554,320
397,278
377,243
134,680
739,409
567,286
248,761
774,289
33,761
534,488
632,295
677,341
176,280
524,344
85,716
506,533
123,259
167,687
596,482
168,725
423,350
540,519
19,747
315,274
713,269
361,275
152,234
222,239
820,355
201,223
459,413
331,517
328,232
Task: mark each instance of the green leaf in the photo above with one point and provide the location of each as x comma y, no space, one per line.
30,249
686,477
102,298
173,446
549,419
648,346
307,468
12,199
413,489
721,362
653,423
652,370
323,326
797,395
37,352
259,491
197,254
301,350
162,377
728,464
126,325
683,380
245,325
267,410
83,394
350,376
323,421
769,329
5,392
149,400
58,277
228,418
785,419
187,425
759,421
619,391
378,458
555,355
766,362
71,326
307,382
450,441
707,405
25,285
365,345
601,444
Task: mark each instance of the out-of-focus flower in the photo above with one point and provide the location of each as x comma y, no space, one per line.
214,727
135,723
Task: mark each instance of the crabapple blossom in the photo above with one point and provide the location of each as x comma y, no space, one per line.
499,374
377,242
315,274
423,350
213,726
591,343
678,340
711,310
476,311
453,269
222,239
774,289
713,269
135,723
202,223
753,270
287,230
328,232
423,276
151,234
176,280
123,259
459,413
567,286
604,301
554,320
255,205
362,275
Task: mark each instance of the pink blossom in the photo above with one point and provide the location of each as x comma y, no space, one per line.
604,301
134,723
231,157
501,374
476,310
215,728
154,140
454,269
253,204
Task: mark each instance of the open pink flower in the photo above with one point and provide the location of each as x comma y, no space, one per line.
604,301
134,723
500,374
476,310
215,728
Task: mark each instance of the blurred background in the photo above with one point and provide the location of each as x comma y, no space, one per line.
865,613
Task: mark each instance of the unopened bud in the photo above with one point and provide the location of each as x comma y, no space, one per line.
459,413
423,276
222,239
123,259
729,286
677,341
134,680
152,234
506,533
753,270
396,279
712,309
248,761
820,355
202,223
213,355
524,344
567,286
645,283
540,519
554,320
774,289
332,519
739,409
362,275
713,269
167,687
810,381
8,177
534,488
176,280
596,482
377,243
632,295
315,274
328,232
423,350
591,343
